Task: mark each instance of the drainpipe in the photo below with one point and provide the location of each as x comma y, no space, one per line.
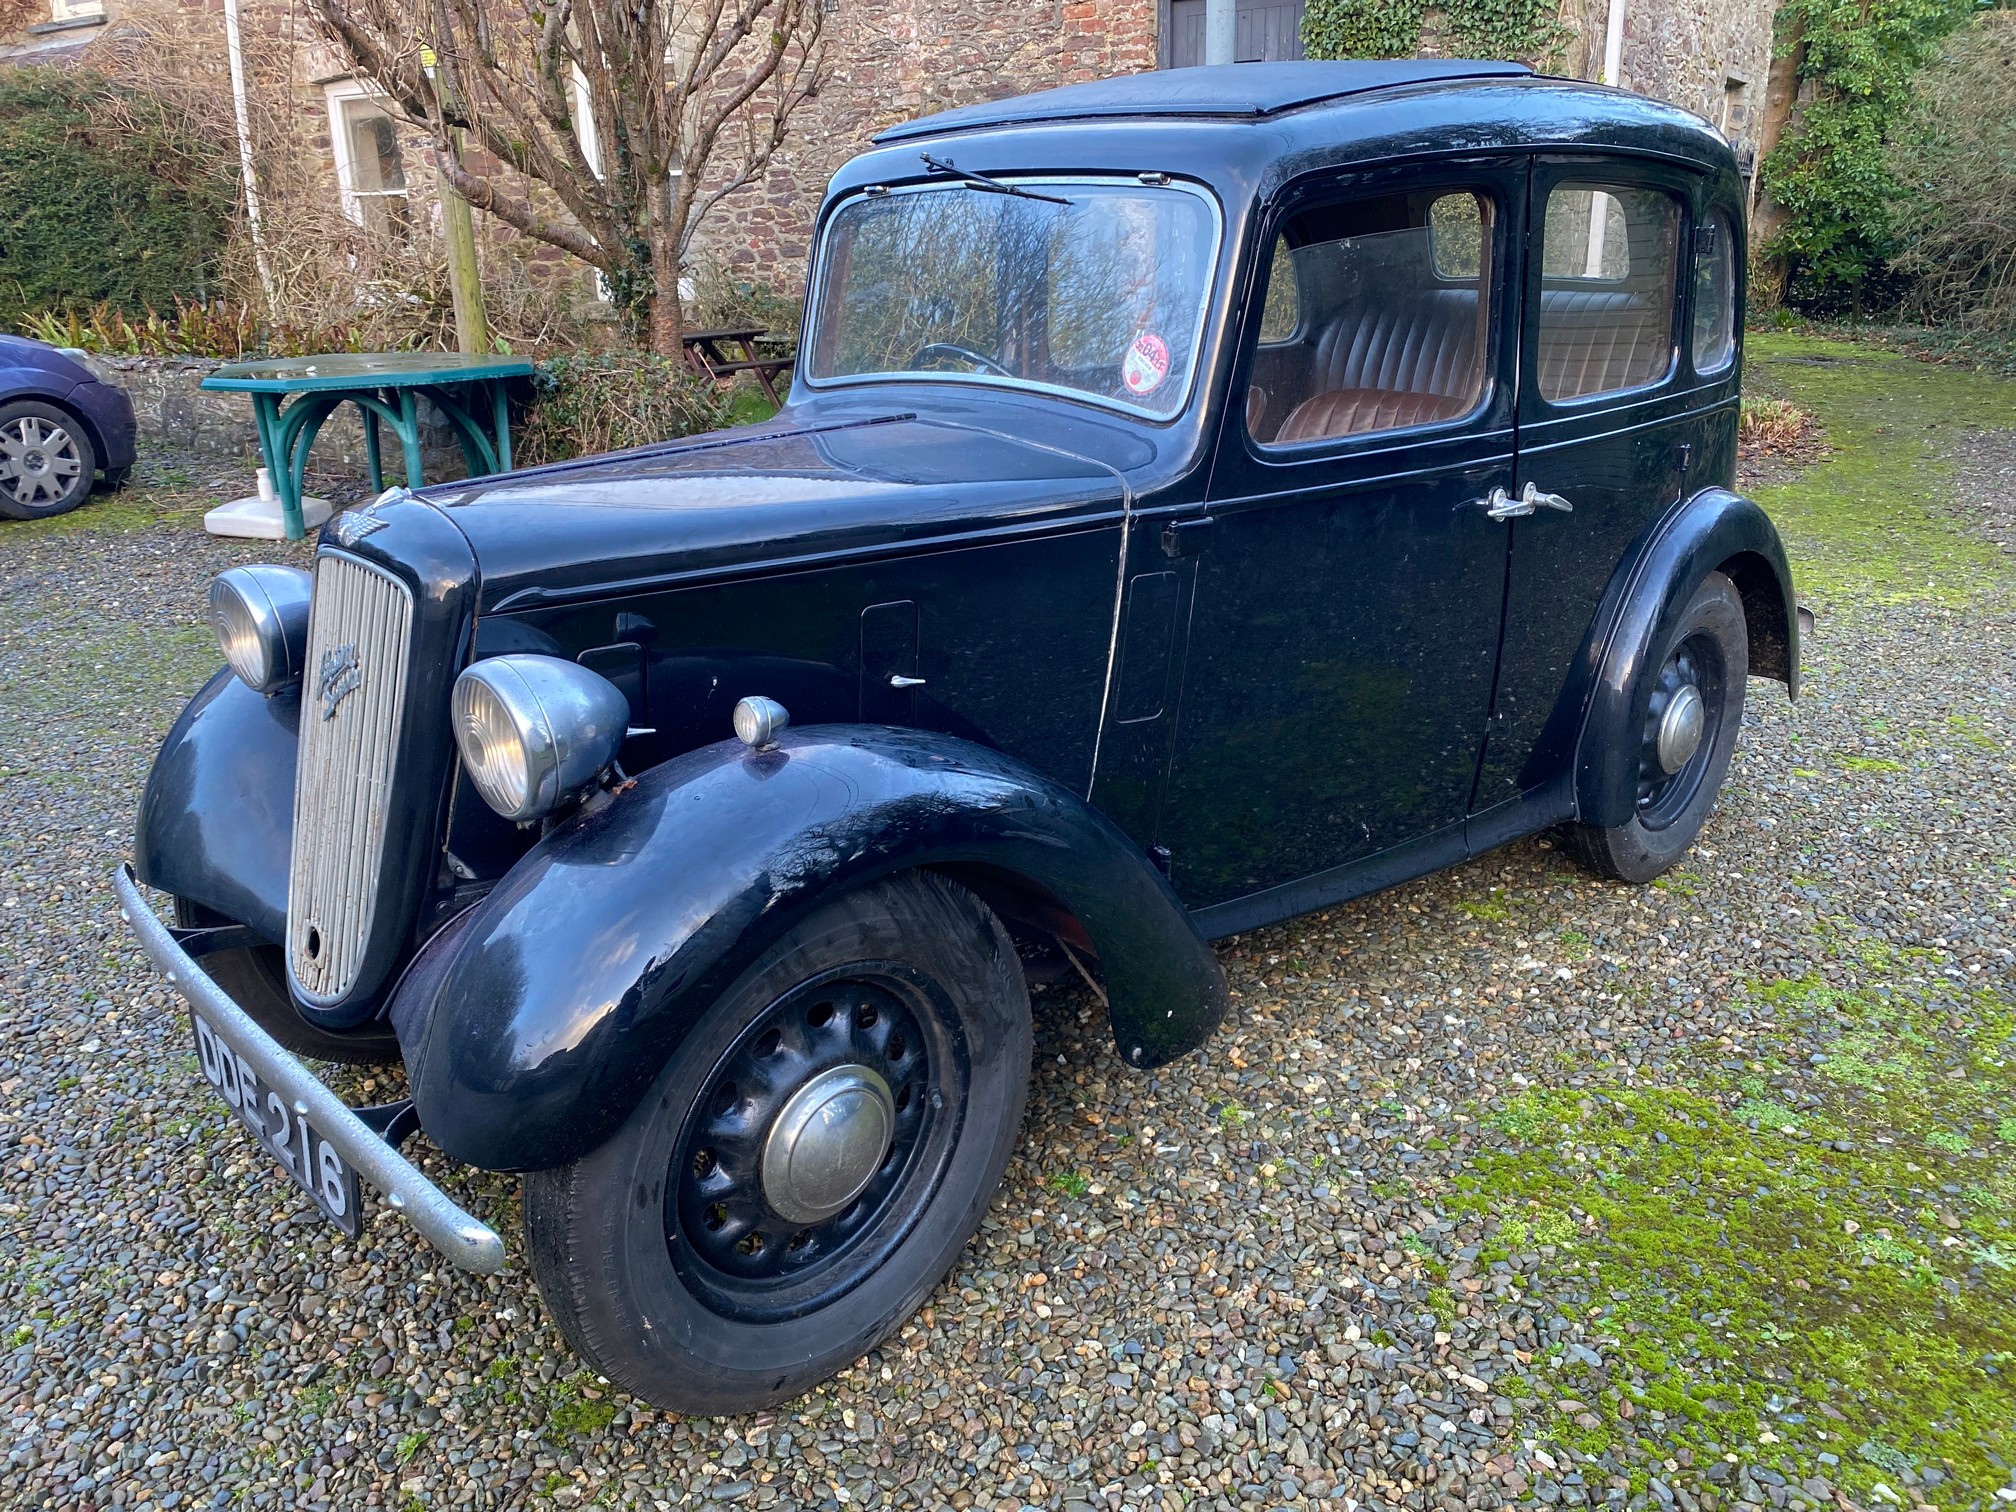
1221,30
1613,73
1613,44
235,47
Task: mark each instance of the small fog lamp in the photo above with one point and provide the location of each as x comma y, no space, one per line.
759,721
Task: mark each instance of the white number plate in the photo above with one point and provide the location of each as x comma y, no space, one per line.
314,1164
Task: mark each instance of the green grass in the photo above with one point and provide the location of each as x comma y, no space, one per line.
1745,1276
1873,520
166,499
749,406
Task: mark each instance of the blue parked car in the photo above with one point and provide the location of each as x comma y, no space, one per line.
60,429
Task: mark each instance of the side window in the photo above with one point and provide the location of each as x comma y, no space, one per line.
1281,312
1608,280
1385,322
1714,295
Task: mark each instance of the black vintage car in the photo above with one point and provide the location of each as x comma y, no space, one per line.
1203,497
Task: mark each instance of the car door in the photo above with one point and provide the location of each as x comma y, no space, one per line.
1609,435
1344,628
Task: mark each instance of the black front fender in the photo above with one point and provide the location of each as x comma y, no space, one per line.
216,822
564,992
1716,530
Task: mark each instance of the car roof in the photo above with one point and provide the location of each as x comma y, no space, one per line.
1229,92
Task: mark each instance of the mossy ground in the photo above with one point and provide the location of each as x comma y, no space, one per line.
1804,1259
1874,521
1793,1260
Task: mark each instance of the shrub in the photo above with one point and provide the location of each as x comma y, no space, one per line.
1829,173
220,329
1772,424
103,198
602,401
1956,158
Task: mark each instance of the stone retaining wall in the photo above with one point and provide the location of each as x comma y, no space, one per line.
175,413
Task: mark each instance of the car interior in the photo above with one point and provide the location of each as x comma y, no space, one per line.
1378,310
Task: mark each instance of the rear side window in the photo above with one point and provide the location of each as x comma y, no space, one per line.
1714,295
1608,282
1375,318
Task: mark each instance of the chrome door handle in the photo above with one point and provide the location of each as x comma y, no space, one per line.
1533,497
1499,505
898,680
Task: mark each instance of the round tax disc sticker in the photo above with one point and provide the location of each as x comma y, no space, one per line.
1146,364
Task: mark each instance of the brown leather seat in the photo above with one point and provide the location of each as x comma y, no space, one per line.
1409,361
1350,412
1601,340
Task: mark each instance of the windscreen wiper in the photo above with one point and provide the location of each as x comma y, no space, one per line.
974,180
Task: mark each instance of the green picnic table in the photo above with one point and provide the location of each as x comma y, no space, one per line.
387,386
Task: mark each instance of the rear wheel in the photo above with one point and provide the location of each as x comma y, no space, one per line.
46,461
255,978
807,1166
1693,711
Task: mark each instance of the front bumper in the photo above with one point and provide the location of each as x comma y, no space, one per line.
467,1242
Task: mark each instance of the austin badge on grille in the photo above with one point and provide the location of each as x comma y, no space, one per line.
339,678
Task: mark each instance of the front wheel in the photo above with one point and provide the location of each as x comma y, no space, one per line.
46,461
807,1166
1693,710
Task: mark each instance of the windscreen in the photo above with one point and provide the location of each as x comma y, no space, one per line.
1096,289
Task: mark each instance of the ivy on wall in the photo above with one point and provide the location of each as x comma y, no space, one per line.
1527,30
1829,174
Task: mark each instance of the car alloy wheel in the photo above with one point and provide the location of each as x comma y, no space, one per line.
46,464
38,461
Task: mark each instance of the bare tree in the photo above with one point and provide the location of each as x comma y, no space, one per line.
687,101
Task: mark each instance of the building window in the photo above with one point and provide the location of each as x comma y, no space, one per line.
75,10
370,171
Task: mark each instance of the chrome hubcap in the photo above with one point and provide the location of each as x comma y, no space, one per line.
39,462
827,1143
1681,728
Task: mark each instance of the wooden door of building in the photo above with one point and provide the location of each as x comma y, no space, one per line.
1269,31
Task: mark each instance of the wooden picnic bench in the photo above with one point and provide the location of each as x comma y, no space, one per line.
708,353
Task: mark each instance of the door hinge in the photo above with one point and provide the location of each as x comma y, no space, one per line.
1181,538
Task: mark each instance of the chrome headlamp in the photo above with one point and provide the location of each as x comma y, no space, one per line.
535,730
260,615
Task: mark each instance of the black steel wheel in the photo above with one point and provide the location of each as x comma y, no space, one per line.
807,1166
1693,708
817,1142
46,461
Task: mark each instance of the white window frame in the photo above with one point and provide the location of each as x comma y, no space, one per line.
591,149
339,94
75,10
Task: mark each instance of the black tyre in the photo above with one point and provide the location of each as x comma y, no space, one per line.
255,978
1693,711
808,1165
46,461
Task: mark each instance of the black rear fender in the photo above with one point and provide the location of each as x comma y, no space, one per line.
1715,531
557,1000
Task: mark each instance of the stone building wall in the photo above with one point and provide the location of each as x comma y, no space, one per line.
1707,56
892,60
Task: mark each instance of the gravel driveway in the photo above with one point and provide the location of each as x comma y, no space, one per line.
1419,1231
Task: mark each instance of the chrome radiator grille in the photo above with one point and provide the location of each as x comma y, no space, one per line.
352,704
